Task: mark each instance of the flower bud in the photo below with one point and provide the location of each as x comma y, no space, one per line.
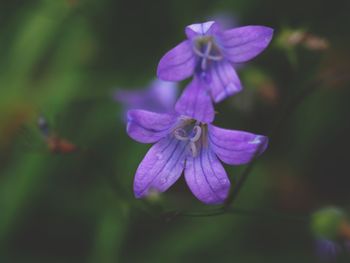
326,223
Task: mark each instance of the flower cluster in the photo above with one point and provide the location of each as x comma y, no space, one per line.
185,138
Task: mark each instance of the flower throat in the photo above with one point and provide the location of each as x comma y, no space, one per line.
206,48
193,133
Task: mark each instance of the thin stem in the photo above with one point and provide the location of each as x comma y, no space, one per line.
235,211
242,179
291,106
123,194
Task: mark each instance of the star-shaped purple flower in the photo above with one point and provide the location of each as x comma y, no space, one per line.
210,52
185,144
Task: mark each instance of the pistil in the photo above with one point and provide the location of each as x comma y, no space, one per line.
206,49
192,137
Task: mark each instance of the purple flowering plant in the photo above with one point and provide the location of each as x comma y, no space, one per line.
185,140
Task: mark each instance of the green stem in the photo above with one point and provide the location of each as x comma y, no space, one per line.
235,211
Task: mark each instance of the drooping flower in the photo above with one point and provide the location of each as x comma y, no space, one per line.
195,147
210,52
159,96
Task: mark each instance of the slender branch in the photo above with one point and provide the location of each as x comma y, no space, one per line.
123,194
291,106
242,179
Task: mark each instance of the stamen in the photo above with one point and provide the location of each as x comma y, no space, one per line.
204,64
197,133
191,135
198,52
181,134
206,48
206,55
193,148
215,58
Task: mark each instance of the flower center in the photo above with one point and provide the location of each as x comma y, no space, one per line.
191,133
206,48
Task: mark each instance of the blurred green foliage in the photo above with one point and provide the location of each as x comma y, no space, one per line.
64,59
326,222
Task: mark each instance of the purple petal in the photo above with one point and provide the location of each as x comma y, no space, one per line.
224,81
236,147
148,127
244,43
195,102
161,167
206,177
200,29
178,64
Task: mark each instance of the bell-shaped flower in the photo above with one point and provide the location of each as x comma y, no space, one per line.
182,143
210,52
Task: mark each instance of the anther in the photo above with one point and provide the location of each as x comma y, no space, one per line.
181,135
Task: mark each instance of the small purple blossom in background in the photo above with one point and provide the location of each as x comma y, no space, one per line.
209,52
332,250
185,144
327,250
159,96
225,19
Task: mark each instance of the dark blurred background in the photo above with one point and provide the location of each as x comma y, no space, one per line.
64,59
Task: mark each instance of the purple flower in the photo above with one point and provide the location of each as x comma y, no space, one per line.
327,250
195,147
225,19
210,52
159,96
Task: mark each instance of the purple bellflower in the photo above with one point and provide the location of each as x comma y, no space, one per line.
193,146
210,53
159,96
